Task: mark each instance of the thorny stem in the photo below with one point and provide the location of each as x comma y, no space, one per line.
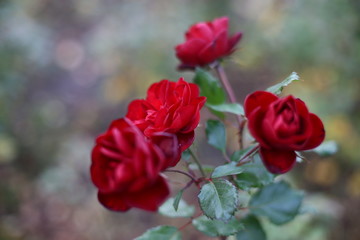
226,157
181,172
197,162
188,185
189,169
241,133
189,222
246,158
225,82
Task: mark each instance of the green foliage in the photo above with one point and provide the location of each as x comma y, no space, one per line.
177,199
182,210
234,108
215,95
238,155
207,168
327,148
277,201
218,199
254,175
214,228
277,88
185,155
216,134
209,87
252,229
226,170
161,233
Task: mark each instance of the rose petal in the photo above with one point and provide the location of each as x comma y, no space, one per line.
137,112
207,54
200,31
317,135
185,139
277,161
233,41
255,123
113,201
221,43
151,197
169,146
258,99
188,52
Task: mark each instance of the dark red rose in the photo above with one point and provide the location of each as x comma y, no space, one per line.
172,107
126,167
281,126
205,43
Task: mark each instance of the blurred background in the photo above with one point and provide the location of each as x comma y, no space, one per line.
68,68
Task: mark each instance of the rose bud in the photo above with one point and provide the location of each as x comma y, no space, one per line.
126,167
281,126
172,107
205,43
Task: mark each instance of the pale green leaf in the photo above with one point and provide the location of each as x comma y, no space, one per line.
277,201
177,199
161,233
227,169
184,210
214,228
218,199
216,134
234,108
277,88
252,229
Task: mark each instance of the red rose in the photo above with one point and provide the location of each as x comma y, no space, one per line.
281,126
126,167
205,43
172,107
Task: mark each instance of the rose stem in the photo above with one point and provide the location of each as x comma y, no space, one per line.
225,82
246,158
197,162
181,172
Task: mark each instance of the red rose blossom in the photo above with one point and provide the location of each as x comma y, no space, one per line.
126,167
205,43
281,126
172,107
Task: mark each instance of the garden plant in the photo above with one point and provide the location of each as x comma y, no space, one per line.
131,159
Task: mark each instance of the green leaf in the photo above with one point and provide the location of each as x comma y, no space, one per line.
252,229
185,155
177,199
216,134
254,174
205,167
276,201
327,148
218,199
236,156
214,228
209,87
161,233
277,88
184,210
234,108
227,169
247,180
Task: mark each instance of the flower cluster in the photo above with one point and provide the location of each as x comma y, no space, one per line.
129,157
